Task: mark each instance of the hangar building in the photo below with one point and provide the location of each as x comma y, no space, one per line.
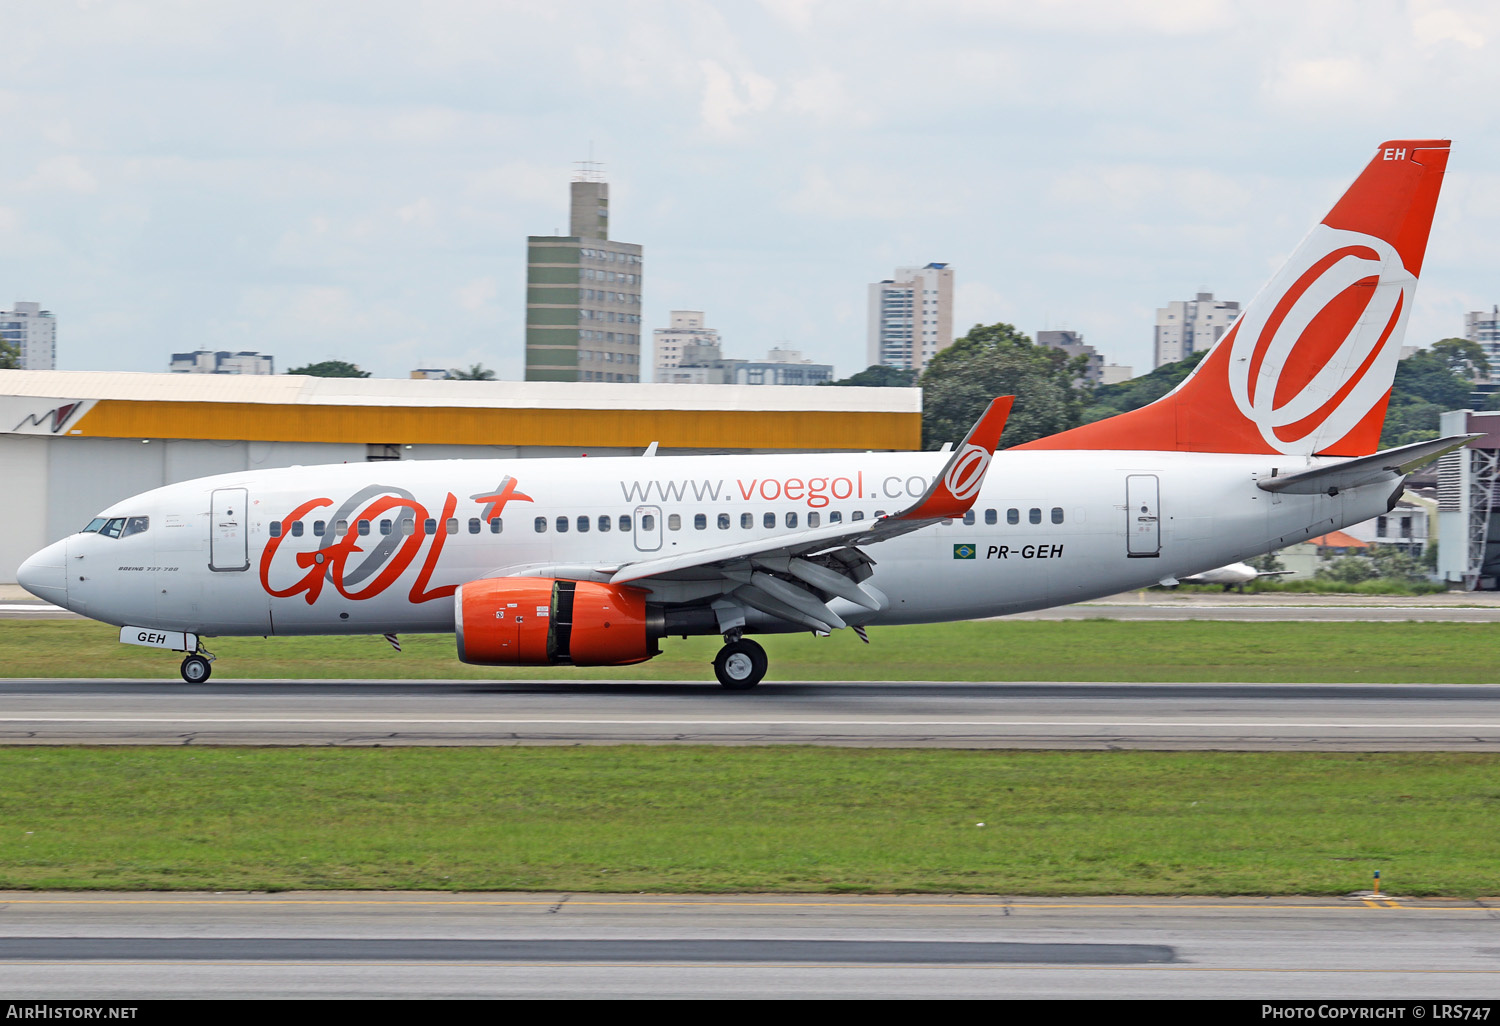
1469,503
73,442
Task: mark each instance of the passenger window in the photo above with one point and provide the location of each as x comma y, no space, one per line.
496,525
341,528
700,521
724,522
969,519
541,525
583,525
319,527
791,520
1057,516
747,520
858,514
474,525
674,522
879,513
1035,516
138,525
769,520
429,526
276,529
1012,516
604,523
385,527
836,517
648,522
625,524
991,516
813,520
562,525
297,529
364,527
408,525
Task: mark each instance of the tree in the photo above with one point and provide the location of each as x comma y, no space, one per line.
10,355
1391,562
1465,357
1112,400
992,360
331,369
478,372
878,377
1266,564
1425,386
1348,570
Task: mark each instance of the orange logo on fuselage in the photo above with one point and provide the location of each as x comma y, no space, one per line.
386,556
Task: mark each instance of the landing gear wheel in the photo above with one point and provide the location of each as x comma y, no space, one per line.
740,665
196,669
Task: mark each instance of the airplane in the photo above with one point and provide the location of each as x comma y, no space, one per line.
1234,575
1272,440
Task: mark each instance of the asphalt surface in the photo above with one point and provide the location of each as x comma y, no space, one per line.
1243,717
1451,607
123,946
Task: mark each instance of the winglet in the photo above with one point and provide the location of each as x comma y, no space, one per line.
953,492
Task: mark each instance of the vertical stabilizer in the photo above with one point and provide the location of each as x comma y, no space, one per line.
1307,367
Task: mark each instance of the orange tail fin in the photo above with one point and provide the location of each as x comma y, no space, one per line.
1307,367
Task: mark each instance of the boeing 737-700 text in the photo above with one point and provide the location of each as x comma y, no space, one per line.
592,562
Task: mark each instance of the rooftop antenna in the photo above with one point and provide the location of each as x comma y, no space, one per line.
589,170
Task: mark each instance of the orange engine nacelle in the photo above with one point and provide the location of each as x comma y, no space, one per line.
537,621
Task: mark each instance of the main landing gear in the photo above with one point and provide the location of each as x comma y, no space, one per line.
740,664
197,666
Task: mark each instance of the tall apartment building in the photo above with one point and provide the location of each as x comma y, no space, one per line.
1189,326
1480,327
669,344
207,361
34,332
911,317
583,295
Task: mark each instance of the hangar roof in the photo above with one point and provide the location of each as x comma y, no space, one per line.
298,408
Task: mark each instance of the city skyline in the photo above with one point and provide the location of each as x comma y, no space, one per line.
225,177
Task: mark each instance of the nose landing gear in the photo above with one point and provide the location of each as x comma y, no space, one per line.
197,666
740,664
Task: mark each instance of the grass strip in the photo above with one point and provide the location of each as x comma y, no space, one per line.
991,650
708,820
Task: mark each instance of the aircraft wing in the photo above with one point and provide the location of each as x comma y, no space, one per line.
794,576
1382,466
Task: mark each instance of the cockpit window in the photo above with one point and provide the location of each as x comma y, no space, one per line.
135,525
113,527
94,525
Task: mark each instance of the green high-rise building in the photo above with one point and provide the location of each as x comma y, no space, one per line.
583,296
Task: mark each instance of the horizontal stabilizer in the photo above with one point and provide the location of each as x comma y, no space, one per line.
1383,466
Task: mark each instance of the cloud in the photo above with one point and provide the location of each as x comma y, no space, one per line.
477,294
64,172
728,96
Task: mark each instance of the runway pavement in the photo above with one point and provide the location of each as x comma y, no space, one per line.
1156,604
1242,717
124,946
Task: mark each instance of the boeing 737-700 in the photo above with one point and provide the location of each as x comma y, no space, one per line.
1270,441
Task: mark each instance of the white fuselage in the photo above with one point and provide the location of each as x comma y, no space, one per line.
1049,527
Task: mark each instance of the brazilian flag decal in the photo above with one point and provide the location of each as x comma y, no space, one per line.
963,552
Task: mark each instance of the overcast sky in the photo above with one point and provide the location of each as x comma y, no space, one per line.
355,179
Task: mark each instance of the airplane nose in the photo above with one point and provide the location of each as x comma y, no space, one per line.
45,574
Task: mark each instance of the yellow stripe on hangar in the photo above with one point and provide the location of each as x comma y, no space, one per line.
811,430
